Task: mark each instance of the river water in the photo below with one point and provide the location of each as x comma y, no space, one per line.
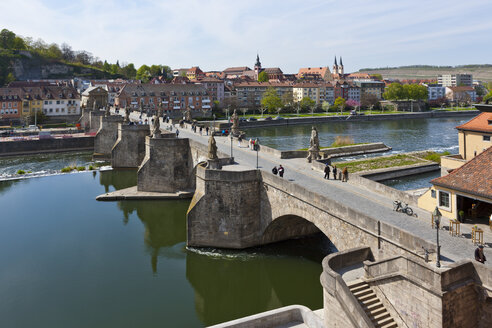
70,261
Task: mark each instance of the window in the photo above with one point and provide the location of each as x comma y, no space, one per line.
486,138
51,110
443,199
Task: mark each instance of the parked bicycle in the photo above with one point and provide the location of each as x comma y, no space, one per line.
402,207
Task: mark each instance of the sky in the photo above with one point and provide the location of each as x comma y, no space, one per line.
216,34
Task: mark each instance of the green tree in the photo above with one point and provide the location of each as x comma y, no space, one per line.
155,70
415,91
287,98
143,73
129,71
395,91
54,52
487,97
271,101
339,103
480,90
106,67
19,44
7,39
263,77
166,70
307,104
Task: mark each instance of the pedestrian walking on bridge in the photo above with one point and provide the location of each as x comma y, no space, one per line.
177,133
479,255
281,171
334,172
344,174
274,170
327,171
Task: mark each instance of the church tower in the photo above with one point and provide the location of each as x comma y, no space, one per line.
257,66
335,66
340,67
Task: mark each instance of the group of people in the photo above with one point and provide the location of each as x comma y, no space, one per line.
280,171
344,173
254,144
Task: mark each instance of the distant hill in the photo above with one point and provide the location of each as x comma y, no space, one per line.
480,72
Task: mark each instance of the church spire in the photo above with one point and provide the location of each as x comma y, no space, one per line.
335,62
341,64
257,64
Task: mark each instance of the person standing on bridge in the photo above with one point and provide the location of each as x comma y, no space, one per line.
344,174
479,255
274,170
327,171
281,171
177,133
334,172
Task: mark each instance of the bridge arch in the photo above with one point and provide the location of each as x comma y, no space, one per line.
289,226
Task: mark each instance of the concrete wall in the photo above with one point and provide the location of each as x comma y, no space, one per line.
339,151
451,162
23,147
166,167
106,136
472,143
129,149
399,171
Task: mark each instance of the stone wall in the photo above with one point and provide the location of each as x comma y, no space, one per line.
106,136
456,296
129,149
95,120
24,147
166,167
225,209
341,308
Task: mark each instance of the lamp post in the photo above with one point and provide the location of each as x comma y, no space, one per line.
230,134
436,216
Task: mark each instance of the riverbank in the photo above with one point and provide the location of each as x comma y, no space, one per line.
345,118
52,145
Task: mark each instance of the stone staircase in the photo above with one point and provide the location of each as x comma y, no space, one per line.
371,304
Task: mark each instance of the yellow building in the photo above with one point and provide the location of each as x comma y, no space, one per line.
474,137
467,189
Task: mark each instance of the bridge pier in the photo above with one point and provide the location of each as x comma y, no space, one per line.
129,149
167,166
106,136
94,120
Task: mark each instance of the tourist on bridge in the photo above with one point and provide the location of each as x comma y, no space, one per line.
250,143
327,171
177,133
334,172
281,171
206,130
479,255
344,174
274,170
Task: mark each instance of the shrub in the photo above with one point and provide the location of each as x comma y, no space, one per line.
80,168
342,141
67,169
21,172
435,157
91,167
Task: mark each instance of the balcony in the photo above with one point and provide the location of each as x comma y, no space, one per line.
176,101
176,107
205,100
206,107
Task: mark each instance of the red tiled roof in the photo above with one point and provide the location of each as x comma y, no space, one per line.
461,89
474,177
479,123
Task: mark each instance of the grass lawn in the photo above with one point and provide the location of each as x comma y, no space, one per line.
338,146
379,163
453,109
432,155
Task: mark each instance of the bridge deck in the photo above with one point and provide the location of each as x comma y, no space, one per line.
375,205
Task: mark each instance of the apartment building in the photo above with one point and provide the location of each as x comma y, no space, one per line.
10,103
171,96
249,94
455,80
369,87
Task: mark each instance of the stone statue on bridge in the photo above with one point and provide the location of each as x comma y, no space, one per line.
313,146
156,131
107,113
212,148
235,123
127,115
188,117
94,105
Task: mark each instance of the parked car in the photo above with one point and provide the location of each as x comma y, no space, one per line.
279,118
33,128
242,119
252,119
268,118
